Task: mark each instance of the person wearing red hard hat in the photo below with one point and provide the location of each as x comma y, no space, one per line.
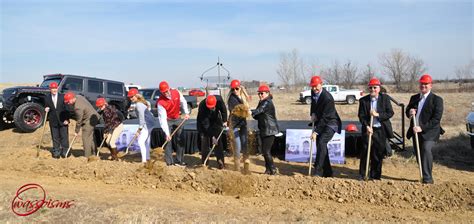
86,119
238,105
427,108
169,105
379,106
58,117
326,122
146,121
113,124
211,120
267,125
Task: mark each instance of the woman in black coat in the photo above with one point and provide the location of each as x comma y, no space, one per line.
267,124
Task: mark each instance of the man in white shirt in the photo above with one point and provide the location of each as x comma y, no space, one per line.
427,108
169,105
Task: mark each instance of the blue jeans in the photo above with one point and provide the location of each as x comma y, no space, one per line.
240,141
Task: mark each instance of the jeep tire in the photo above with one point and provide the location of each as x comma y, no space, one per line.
29,116
6,121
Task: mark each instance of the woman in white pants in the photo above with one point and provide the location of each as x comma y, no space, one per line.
146,123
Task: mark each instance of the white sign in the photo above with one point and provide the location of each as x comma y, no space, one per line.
298,144
126,136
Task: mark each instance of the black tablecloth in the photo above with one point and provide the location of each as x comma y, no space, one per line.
192,141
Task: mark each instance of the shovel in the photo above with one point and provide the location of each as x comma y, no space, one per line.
369,146
172,134
311,150
417,149
70,146
213,147
42,134
100,147
122,154
155,151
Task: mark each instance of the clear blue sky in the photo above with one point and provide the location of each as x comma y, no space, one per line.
146,41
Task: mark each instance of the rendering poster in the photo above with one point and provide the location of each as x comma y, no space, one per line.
298,144
126,136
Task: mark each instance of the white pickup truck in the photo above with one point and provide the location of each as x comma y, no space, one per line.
340,95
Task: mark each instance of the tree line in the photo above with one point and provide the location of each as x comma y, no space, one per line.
400,68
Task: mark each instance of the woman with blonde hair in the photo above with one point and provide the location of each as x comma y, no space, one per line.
238,107
146,123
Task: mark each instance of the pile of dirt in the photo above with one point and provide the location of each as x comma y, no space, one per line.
444,197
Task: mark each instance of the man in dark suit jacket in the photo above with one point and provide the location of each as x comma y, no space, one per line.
377,105
58,117
211,119
427,107
327,122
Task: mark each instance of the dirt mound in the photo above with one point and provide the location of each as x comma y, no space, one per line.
443,197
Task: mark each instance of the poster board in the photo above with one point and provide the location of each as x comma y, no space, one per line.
126,136
297,148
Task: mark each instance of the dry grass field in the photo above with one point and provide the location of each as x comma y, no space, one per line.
124,192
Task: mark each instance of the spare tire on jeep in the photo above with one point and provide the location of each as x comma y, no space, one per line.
29,116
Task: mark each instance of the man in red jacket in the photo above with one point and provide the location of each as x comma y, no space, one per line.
169,105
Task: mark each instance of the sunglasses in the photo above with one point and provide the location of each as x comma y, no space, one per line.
236,89
261,93
373,87
424,84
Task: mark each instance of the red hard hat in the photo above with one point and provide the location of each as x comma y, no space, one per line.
351,128
235,84
374,82
53,85
426,79
100,102
164,86
69,96
315,80
211,101
263,88
132,92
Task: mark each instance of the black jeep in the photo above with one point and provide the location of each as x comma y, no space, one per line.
24,105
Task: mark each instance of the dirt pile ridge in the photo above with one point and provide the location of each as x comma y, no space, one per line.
442,197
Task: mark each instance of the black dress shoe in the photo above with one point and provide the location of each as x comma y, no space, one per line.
327,175
56,156
428,181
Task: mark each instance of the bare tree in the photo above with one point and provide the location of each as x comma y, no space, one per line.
349,74
402,67
333,74
465,72
291,69
416,69
367,74
311,70
326,74
284,70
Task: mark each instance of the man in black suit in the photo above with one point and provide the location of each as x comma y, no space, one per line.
327,122
58,120
211,119
377,105
427,108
